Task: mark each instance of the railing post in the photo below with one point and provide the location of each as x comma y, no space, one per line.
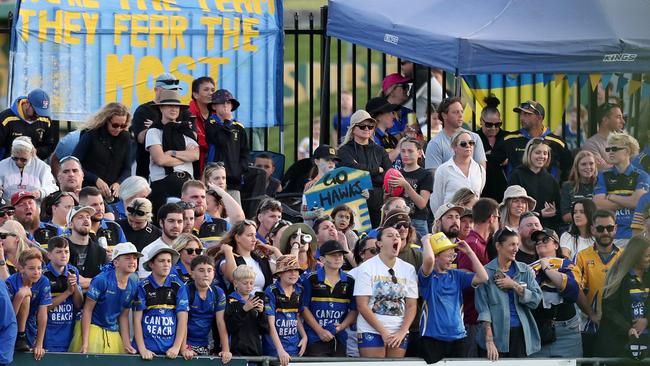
325,80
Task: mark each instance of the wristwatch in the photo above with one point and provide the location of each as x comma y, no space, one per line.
173,153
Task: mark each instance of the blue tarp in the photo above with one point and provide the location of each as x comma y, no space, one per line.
501,36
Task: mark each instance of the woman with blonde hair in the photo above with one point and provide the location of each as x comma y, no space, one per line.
220,203
534,177
625,301
104,149
464,197
13,241
581,183
189,247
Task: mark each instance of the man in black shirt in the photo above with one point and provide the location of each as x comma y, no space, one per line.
148,113
28,116
85,253
137,226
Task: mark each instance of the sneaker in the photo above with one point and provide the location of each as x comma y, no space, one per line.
21,343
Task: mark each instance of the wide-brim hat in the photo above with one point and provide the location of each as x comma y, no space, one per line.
169,97
442,210
379,105
517,191
285,263
157,249
125,248
285,247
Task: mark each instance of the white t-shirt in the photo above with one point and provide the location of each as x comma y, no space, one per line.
387,299
258,285
568,241
157,172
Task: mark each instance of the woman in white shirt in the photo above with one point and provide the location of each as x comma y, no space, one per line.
579,235
386,290
461,171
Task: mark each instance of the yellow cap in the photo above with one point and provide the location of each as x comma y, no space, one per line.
439,243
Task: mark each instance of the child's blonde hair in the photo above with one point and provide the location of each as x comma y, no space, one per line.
244,272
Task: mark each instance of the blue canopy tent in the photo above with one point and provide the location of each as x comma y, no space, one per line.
472,37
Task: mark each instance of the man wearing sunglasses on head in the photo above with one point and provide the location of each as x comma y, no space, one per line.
510,151
28,116
592,265
148,113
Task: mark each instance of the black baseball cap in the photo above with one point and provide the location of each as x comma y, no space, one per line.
530,106
545,233
331,247
325,152
379,105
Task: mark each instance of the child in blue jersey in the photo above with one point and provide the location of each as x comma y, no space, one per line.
67,299
441,322
160,317
105,319
30,293
206,303
329,304
287,335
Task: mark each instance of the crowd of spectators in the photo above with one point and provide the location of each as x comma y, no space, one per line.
133,235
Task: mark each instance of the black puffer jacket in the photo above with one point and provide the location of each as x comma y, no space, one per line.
368,157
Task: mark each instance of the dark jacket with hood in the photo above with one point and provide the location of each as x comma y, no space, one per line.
13,124
368,157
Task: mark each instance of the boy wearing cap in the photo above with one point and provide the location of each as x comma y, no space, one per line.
442,288
67,298
227,140
160,317
30,293
105,325
283,305
511,149
207,302
28,116
329,304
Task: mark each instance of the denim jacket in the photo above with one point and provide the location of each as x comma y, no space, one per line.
493,306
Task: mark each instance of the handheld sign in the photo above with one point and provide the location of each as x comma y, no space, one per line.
342,186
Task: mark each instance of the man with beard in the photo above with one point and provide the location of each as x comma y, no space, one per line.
101,227
486,222
205,226
528,224
170,220
27,213
447,220
592,265
70,176
85,252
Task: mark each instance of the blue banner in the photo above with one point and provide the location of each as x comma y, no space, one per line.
86,53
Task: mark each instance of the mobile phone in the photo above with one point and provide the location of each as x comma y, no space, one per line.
499,275
259,295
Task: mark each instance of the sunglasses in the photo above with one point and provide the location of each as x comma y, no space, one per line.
118,126
498,237
168,82
366,127
546,240
372,251
135,212
466,143
191,251
215,164
609,228
4,236
304,238
393,278
4,213
402,225
492,125
22,160
614,148
69,157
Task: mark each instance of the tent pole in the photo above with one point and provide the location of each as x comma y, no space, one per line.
457,82
325,80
